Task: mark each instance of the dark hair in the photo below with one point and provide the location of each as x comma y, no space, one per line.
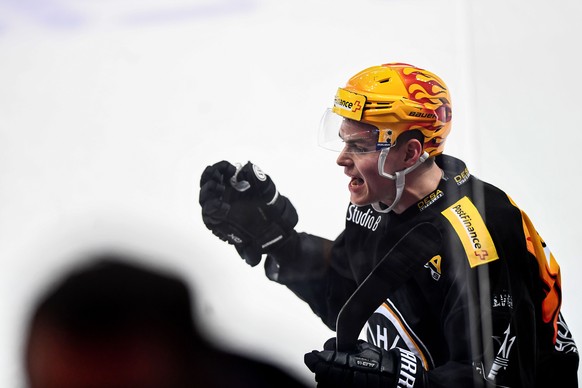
408,135
110,296
110,299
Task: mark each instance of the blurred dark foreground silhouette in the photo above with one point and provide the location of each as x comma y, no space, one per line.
112,323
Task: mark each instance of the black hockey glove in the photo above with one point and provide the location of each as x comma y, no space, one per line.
366,366
243,207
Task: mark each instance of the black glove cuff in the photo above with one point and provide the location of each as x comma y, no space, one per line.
408,369
301,256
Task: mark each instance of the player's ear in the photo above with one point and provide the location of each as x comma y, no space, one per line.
412,151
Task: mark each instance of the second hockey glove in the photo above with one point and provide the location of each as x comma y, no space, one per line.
367,366
243,207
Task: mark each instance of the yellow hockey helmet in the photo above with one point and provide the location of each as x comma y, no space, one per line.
395,98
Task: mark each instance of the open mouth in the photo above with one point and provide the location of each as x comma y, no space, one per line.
356,182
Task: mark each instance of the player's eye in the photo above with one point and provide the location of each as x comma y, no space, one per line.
358,147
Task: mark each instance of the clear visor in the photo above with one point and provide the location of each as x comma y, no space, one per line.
338,133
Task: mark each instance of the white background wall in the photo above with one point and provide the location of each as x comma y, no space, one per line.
110,110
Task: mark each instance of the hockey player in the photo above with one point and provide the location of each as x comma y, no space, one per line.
484,311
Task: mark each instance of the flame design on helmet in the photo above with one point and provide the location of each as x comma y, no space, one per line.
401,97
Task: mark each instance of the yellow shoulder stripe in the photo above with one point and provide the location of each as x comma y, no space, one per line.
469,225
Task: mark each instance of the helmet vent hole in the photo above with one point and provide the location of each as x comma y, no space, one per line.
384,80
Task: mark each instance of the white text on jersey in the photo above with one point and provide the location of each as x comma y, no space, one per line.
366,220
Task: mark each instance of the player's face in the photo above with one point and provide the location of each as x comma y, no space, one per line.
359,158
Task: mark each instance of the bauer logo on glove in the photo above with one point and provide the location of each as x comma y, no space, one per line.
235,239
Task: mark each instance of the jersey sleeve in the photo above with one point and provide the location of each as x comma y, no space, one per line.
558,358
303,264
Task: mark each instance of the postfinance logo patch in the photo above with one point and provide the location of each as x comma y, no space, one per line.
349,104
469,225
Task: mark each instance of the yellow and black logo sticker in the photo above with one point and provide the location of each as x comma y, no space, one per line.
469,225
349,104
430,199
434,265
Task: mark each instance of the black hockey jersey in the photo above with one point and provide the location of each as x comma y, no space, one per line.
485,311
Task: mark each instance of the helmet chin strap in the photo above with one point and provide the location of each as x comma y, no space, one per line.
397,176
